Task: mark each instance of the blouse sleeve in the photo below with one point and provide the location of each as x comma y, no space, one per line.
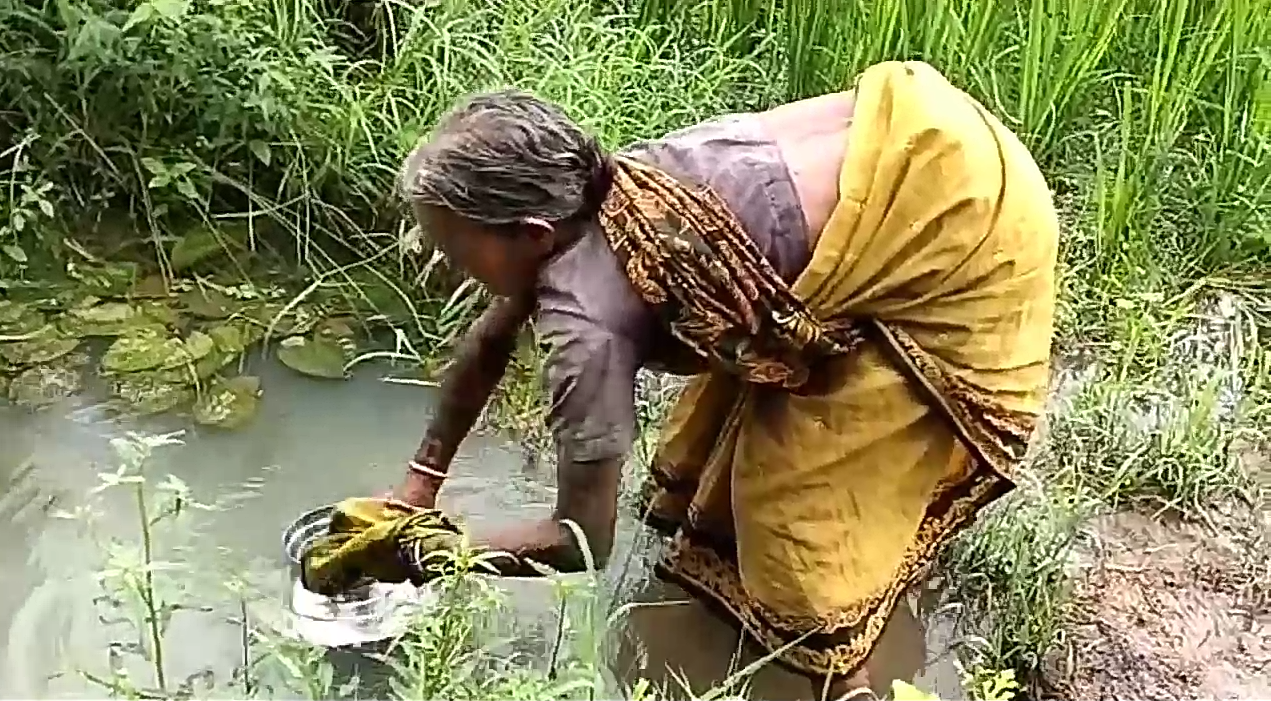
591,386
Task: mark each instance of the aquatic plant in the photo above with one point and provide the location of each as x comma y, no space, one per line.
223,168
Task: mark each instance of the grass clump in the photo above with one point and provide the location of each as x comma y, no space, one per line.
127,124
1171,440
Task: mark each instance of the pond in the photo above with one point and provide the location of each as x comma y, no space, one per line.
313,442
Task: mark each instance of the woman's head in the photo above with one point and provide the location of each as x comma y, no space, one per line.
504,179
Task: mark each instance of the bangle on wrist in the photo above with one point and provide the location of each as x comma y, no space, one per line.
422,469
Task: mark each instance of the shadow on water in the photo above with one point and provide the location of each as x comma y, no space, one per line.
314,443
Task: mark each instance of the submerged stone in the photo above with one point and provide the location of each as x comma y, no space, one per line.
229,403
317,356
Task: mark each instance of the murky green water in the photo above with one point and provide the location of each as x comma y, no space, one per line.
313,443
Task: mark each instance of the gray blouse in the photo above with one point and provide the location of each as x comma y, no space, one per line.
595,328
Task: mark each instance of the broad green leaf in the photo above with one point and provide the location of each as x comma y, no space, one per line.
15,252
316,357
197,245
261,149
42,346
229,403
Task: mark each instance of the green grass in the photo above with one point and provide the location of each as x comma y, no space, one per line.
124,124
1165,437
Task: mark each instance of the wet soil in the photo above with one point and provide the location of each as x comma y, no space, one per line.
1173,609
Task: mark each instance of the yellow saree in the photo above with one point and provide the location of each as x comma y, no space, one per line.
803,510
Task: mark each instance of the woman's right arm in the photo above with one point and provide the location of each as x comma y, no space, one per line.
480,362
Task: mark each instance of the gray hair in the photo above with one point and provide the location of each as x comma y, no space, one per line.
505,156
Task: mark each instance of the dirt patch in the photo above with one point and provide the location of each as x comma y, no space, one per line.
1170,609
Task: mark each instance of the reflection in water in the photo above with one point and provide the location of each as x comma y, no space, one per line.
313,443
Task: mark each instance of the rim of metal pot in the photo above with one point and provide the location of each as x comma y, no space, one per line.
306,528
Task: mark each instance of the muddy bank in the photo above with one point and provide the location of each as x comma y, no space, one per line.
1170,609
1171,575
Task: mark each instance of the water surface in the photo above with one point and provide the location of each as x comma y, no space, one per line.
314,442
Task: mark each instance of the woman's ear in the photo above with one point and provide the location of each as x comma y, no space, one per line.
539,233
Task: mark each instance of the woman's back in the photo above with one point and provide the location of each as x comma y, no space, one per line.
811,136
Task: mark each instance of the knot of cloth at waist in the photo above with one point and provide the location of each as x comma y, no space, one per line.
687,256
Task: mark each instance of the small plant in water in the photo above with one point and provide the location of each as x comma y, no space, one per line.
145,582
989,685
132,595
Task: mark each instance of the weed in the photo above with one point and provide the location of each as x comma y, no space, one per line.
1168,437
1011,575
290,119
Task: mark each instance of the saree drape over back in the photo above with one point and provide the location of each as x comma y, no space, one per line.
856,419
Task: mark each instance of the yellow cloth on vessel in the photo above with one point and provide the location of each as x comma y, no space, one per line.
809,479
376,539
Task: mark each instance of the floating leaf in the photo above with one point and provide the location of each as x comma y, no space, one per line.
45,384
297,320
150,287
11,311
106,319
103,279
316,357
235,336
196,347
201,369
42,346
207,303
146,394
160,313
229,403
144,349
17,318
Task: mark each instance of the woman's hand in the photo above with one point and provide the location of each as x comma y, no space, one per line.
587,496
417,490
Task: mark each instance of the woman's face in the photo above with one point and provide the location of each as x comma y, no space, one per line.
506,259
